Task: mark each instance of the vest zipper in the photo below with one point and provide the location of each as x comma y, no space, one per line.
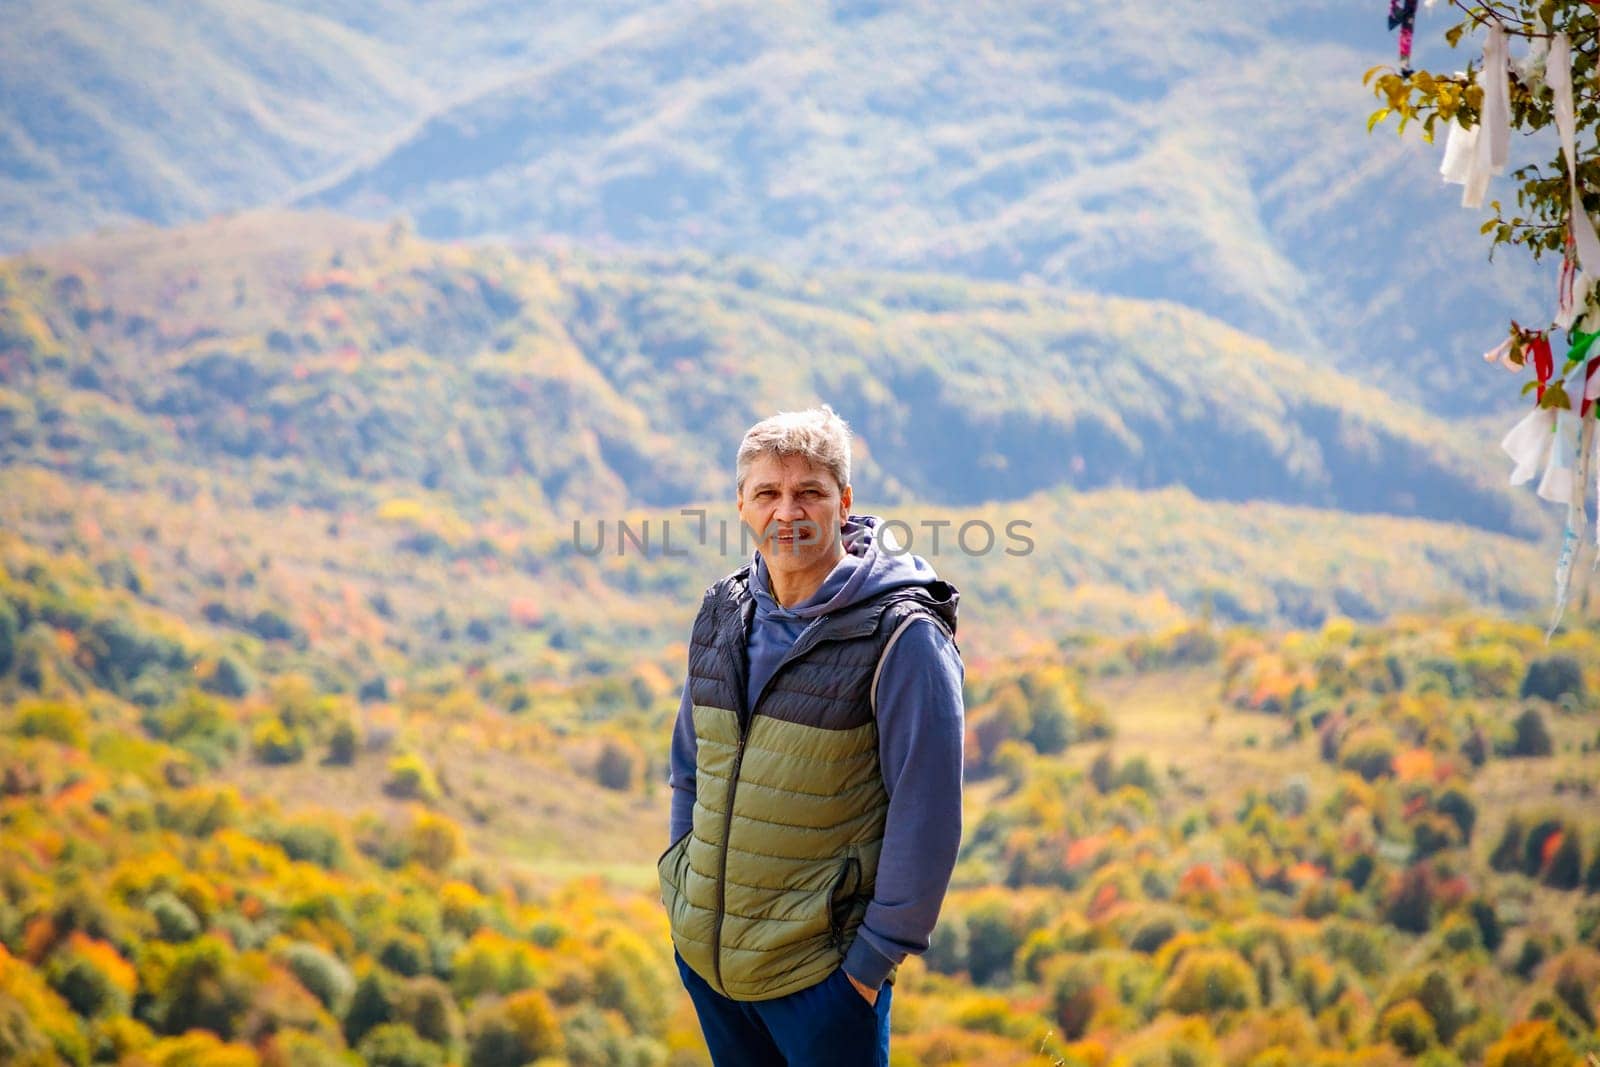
722,871
798,649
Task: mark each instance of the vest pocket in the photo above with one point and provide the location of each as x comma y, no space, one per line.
841,900
668,870
680,840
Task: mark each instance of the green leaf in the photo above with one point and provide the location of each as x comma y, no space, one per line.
1452,36
1529,387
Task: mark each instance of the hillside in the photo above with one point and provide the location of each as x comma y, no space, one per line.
1342,846
340,439
335,360
1214,158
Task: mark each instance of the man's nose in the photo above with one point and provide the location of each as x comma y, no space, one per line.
789,510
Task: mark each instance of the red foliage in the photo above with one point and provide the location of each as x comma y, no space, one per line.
1548,852
1201,878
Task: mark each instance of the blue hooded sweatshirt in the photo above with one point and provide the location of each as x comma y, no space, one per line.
920,722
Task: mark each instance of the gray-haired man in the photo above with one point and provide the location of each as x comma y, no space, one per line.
816,766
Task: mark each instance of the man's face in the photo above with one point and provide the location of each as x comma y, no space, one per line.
795,511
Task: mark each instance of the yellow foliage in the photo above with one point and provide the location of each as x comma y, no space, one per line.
197,1048
1533,1043
433,840
491,962
462,907
47,1016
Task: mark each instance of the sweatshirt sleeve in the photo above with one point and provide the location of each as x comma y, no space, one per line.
920,723
681,763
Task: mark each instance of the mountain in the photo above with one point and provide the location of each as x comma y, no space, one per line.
161,111
1207,156
1214,157
332,358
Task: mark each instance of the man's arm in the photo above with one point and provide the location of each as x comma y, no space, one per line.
681,764
920,718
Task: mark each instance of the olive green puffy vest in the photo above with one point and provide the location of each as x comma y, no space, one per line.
765,892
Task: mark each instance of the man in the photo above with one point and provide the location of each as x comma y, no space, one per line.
816,767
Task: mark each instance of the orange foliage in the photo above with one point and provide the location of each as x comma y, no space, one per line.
1306,871
38,938
79,793
1105,898
107,960
1414,765
47,845
1084,850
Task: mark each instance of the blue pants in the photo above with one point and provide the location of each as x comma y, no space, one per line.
829,1024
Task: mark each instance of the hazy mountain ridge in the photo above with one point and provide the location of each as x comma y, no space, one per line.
1210,157
1199,159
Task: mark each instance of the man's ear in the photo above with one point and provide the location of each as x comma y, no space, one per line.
845,497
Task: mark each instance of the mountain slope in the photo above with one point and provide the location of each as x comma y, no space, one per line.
330,358
1213,158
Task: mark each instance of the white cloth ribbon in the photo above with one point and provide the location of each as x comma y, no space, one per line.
1495,114
1472,155
1572,304
1558,75
1556,485
1460,164
1548,438
1501,354
1583,455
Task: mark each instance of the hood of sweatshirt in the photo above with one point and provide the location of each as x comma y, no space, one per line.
863,572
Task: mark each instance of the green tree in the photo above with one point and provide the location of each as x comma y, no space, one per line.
321,972
511,1032
204,990
9,626
1553,677
397,1045
1208,981
1532,735
371,1005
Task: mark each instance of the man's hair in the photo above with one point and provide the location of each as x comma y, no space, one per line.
817,434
